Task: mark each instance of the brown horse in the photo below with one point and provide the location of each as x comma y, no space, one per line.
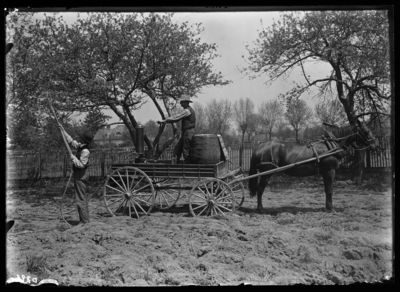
275,154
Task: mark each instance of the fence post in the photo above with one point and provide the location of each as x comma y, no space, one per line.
368,158
240,155
102,163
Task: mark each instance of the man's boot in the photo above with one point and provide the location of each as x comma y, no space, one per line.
174,160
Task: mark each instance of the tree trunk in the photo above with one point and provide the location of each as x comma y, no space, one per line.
358,174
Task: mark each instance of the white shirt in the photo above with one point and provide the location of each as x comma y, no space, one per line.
185,113
79,163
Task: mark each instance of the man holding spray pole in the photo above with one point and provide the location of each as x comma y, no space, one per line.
80,166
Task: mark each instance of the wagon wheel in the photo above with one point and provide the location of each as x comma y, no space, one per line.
128,191
211,197
238,192
167,192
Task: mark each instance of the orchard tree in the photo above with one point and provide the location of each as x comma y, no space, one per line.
118,62
298,113
331,112
269,113
253,126
354,45
201,118
243,110
218,114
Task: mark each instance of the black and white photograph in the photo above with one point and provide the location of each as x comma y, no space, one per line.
199,146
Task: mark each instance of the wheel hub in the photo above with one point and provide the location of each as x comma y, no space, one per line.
128,195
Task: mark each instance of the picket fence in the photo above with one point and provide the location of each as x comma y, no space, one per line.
29,165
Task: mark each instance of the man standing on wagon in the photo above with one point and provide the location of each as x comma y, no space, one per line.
81,174
188,118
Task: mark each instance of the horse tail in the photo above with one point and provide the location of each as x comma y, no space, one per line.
253,182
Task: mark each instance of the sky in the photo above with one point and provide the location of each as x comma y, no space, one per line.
231,32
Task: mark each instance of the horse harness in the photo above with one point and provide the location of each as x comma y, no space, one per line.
330,141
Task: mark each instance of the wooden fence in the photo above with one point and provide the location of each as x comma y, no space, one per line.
28,165
372,159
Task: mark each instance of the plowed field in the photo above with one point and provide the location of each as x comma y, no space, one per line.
293,240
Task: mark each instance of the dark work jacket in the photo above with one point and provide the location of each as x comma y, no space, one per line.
190,121
78,155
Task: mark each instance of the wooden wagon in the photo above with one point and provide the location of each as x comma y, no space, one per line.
135,189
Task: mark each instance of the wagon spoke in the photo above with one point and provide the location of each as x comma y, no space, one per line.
122,180
165,199
138,182
224,208
208,211
222,193
205,195
126,202
133,179
199,206
146,202
140,207
115,189
133,205
224,200
206,190
220,210
119,206
206,207
117,183
113,195
142,188
166,193
215,210
225,197
116,201
219,187
202,198
127,179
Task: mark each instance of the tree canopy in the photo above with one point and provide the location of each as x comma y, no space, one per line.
353,44
298,113
269,113
112,61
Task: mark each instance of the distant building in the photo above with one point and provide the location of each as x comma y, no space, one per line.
111,136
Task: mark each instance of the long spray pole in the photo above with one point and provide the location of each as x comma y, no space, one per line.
62,134
70,153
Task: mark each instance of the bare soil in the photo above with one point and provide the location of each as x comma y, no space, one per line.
293,240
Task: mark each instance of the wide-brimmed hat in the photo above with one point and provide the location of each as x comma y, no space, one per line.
86,136
185,97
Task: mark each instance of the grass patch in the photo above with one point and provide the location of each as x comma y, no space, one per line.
38,265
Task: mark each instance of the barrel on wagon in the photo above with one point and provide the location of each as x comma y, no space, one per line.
205,149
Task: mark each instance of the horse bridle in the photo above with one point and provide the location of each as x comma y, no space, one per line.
364,137
359,133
